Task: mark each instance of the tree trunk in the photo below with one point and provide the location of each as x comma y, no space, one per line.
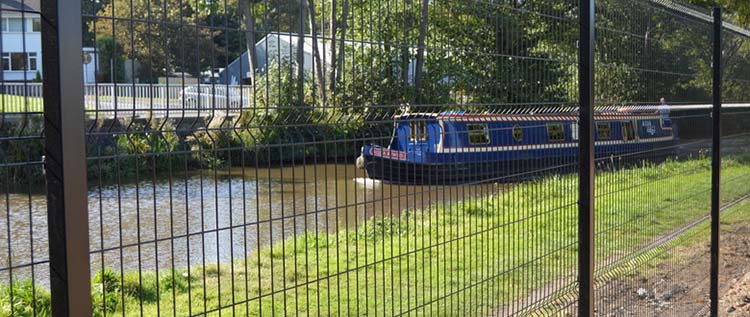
318,65
249,19
301,54
332,30
338,63
420,51
406,46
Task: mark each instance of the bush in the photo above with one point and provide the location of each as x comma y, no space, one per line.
24,299
106,293
27,148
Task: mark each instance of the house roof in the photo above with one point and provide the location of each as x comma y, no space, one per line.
20,6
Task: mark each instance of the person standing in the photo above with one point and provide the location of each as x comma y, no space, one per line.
663,110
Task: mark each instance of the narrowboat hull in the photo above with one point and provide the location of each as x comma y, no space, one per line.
403,172
392,169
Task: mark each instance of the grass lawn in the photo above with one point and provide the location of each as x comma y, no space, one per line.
14,104
20,104
468,258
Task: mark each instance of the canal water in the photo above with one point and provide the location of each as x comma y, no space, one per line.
209,217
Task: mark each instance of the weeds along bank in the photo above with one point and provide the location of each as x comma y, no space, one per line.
120,148
470,253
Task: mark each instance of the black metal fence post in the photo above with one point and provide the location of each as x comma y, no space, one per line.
716,163
586,158
65,158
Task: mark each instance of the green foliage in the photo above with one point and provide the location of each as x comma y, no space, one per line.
111,55
207,144
106,293
383,228
141,286
24,300
27,147
173,280
137,146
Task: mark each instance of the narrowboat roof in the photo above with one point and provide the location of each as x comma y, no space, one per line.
462,116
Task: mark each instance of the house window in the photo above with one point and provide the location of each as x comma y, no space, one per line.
17,61
13,25
478,134
555,132
20,61
32,61
6,61
36,24
418,131
603,131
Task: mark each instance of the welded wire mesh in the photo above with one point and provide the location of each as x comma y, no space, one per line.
338,157
23,249
251,201
735,138
653,205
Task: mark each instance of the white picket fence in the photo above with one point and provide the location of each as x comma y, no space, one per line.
127,99
12,98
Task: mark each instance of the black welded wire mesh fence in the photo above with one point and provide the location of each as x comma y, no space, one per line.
647,212
734,139
223,140
23,256
266,212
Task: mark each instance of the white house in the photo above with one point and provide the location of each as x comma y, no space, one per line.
278,46
275,46
21,48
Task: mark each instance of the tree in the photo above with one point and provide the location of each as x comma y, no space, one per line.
248,15
317,63
337,55
160,47
420,49
301,52
110,56
737,9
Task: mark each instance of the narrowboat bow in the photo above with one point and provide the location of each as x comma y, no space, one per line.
456,147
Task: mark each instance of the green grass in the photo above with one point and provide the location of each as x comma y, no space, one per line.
466,257
15,104
20,104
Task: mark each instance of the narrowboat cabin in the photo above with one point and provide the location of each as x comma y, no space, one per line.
457,147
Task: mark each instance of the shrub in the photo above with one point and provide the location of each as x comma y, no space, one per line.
24,299
106,293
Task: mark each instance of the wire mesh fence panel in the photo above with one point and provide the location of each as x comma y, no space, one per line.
735,190
652,203
24,261
372,167
379,157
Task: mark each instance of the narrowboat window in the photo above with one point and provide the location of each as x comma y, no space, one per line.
517,133
418,131
478,134
603,130
628,133
555,132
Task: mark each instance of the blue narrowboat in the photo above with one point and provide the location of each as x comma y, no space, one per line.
455,147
